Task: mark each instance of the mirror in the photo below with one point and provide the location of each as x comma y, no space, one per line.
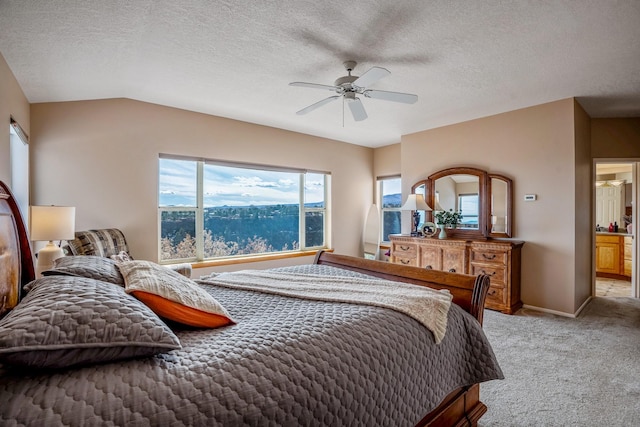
500,206
484,201
459,193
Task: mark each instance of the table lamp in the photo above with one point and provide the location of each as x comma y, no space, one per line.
49,223
415,203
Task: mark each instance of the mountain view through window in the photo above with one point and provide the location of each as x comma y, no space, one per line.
210,210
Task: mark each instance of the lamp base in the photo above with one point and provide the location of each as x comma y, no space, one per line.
46,256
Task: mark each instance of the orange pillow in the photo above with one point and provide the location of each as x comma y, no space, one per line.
181,313
172,295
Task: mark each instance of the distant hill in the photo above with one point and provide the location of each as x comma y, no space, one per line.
392,199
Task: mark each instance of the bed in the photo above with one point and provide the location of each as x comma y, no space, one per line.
282,359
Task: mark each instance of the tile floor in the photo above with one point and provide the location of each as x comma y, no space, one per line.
612,287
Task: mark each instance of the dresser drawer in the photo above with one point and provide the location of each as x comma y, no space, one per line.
489,256
405,250
496,273
406,261
495,296
405,253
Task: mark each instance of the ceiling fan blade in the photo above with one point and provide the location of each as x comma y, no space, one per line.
317,105
317,86
406,98
357,109
371,76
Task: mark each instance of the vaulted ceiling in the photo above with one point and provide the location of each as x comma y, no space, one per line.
235,58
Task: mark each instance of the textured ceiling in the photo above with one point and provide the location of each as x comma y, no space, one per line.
232,58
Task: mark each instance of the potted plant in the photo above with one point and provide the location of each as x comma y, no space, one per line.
448,218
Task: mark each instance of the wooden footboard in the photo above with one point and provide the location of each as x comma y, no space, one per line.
462,407
469,292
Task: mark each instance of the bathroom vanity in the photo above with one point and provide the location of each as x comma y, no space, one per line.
613,255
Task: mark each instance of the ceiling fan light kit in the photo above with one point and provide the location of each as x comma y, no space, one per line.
347,87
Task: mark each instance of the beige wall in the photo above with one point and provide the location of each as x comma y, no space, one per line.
102,157
615,138
386,161
12,103
536,147
584,211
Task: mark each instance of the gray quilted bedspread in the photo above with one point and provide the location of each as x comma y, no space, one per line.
287,362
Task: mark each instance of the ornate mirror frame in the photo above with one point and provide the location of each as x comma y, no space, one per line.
498,226
485,202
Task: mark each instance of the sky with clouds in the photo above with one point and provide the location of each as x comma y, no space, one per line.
233,186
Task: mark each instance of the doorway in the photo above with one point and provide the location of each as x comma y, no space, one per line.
615,227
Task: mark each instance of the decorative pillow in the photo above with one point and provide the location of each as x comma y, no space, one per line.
123,256
103,242
172,295
66,321
91,266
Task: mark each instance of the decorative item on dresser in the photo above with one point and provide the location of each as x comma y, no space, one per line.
415,203
475,246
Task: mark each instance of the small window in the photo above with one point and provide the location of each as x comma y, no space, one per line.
390,201
19,162
468,206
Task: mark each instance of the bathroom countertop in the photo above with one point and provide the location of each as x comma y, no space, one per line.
619,233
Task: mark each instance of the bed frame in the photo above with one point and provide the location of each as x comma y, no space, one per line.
462,407
16,257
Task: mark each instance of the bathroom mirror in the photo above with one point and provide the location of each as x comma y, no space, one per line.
484,200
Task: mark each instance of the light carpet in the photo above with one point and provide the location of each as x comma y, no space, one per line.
563,371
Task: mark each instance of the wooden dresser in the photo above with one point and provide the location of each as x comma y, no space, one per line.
500,259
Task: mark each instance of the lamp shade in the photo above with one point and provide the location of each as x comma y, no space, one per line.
52,223
415,202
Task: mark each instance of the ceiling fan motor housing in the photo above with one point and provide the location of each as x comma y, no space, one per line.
345,81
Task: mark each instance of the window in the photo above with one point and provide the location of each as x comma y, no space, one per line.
19,153
468,203
390,200
210,209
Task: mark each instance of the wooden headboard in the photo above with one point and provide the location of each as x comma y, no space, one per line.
16,257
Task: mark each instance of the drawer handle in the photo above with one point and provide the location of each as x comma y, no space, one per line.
492,292
490,275
428,267
405,248
452,270
485,256
408,261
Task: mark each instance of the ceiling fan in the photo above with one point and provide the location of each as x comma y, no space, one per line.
349,86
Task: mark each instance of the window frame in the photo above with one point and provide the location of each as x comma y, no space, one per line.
461,197
199,209
381,209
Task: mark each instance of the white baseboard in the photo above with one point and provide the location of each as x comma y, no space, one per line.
559,313
584,304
